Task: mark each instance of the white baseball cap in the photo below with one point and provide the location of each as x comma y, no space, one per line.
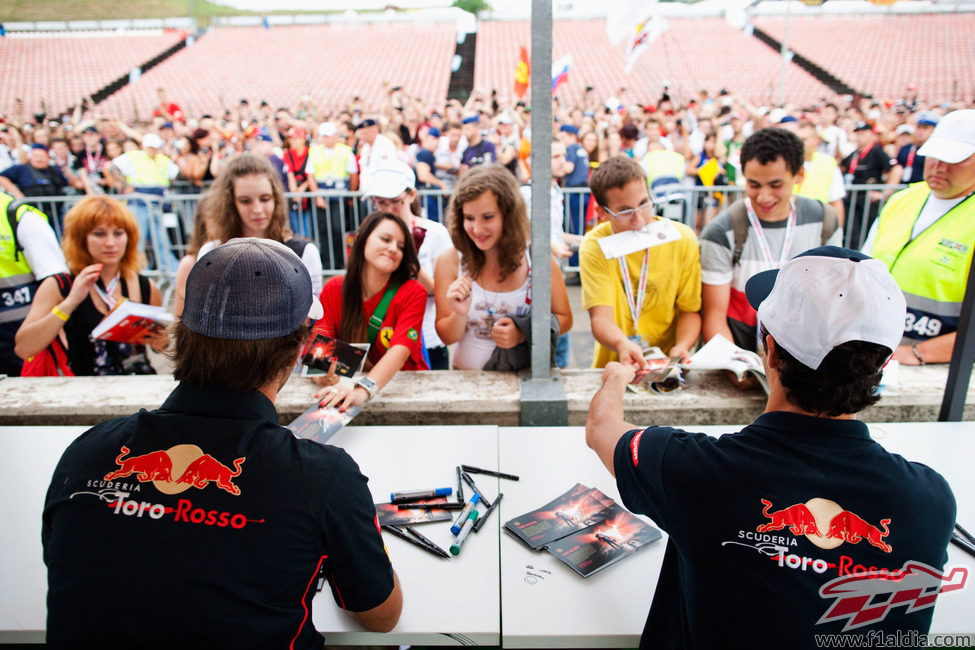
953,139
152,140
326,129
825,297
391,180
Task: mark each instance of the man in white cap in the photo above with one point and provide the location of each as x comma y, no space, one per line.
392,188
148,171
925,236
768,525
334,167
206,513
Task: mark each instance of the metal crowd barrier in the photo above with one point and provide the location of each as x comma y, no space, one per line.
328,218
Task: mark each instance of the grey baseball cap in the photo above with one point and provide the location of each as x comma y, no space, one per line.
249,289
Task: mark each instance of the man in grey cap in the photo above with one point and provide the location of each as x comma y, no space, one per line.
205,515
925,236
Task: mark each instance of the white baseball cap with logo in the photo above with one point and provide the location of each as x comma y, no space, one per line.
825,297
953,139
390,180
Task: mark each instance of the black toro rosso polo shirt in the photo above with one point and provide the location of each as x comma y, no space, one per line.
774,531
205,524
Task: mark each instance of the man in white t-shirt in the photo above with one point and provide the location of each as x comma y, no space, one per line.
375,149
392,188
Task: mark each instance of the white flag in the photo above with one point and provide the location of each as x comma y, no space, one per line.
635,22
646,33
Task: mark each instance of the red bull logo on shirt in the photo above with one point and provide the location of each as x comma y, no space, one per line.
825,523
170,471
863,594
188,463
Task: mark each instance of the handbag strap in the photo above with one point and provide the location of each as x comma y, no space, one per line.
376,320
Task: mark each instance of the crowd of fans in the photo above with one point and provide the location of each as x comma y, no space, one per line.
72,153
328,161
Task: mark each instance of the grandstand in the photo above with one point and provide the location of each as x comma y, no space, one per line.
879,55
62,67
331,63
876,54
691,55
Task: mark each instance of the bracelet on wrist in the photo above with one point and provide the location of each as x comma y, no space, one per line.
917,354
60,314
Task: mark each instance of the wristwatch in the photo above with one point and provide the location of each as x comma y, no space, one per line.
369,386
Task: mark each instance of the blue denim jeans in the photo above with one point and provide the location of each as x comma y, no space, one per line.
149,218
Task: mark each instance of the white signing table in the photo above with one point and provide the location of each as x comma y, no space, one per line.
462,601
609,608
446,602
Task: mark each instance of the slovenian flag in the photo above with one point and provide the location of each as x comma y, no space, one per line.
560,71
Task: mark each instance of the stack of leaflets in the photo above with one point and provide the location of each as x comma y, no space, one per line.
585,529
131,322
721,354
320,424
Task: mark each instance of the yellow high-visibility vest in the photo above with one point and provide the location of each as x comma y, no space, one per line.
331,165
818,178
17,281
932,270
148,172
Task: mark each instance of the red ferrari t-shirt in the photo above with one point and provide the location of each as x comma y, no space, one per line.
401,325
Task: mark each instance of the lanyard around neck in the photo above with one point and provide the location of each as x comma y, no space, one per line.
635,303
106,293
760,234
856,160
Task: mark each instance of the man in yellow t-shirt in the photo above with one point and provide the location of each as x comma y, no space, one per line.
665,280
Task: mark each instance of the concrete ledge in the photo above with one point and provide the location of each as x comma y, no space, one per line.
458,397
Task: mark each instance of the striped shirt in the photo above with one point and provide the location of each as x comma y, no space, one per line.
718,244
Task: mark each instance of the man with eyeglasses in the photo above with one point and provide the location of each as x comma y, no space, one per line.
649,297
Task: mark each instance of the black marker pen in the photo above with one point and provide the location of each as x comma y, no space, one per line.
487,513
488,472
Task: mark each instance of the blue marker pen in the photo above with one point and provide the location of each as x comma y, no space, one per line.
464,532
417,495
462,518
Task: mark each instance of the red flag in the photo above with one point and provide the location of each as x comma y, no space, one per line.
522,73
